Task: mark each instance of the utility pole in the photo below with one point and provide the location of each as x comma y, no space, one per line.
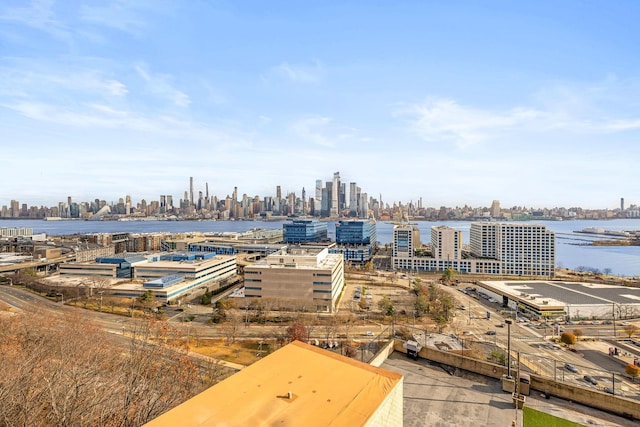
508,322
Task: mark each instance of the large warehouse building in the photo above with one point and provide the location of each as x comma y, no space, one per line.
570,300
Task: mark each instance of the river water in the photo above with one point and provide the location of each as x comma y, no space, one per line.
571,249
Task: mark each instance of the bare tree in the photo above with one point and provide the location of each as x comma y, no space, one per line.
67,372
630,330
231,327
99,284
297,331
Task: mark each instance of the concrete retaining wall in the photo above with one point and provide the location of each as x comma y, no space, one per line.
458,361
383,354
596,399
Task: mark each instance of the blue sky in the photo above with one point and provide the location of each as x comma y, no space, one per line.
460,102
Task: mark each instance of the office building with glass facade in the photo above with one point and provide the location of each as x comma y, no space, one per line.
305,231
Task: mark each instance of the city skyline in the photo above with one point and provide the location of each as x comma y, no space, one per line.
455,104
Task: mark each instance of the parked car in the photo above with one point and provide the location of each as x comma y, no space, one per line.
490,332
590,379
625,323
569,367
462,307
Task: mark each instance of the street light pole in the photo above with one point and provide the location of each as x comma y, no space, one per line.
508,322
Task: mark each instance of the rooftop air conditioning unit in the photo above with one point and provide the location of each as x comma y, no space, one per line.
532,297
545,302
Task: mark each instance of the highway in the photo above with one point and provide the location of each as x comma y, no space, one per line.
540,355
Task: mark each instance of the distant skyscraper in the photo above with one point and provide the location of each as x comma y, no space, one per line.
318,198
495,209
334,194
353,199
622,203
191,191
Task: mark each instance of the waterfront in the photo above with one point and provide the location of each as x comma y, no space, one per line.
572,251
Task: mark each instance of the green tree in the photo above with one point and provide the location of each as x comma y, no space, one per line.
421,305
386,306
206,298
219,312
148,300
441,322
448,275
498,357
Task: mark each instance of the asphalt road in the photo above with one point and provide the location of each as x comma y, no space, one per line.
536,354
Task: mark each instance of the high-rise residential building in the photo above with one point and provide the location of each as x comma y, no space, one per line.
622,203
522,249
406,238
305,231
446,243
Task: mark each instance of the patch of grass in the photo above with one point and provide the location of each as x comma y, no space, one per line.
535,418
242,352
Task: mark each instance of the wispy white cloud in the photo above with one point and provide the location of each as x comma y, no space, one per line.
299,73
446,120
562,108
28,81
313,129
160,85
100,116
126,16
322,131
39,14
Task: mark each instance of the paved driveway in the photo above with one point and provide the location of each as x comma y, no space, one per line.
434,398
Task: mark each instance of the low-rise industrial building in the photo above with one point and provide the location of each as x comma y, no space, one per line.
298,273
169,276
570,300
